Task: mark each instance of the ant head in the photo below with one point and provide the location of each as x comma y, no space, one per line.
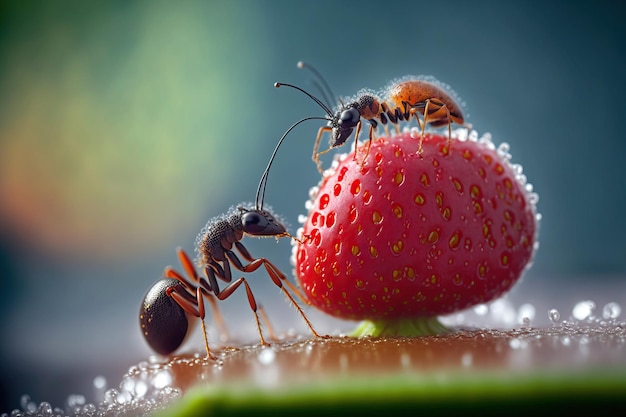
343,124
258,222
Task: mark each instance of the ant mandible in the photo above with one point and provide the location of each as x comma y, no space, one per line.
408,98
169,304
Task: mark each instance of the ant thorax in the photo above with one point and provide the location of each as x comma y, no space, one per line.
218,235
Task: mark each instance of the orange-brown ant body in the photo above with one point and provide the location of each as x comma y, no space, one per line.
170,305
437,107
405,99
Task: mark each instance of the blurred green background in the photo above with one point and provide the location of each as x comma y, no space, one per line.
125,126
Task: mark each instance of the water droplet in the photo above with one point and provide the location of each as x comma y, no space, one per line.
44,409
141,388
611,311
99,382
583,310
162,379
74,401
481,309
267,356
525,314
554,316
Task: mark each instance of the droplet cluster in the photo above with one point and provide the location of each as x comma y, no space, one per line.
146,388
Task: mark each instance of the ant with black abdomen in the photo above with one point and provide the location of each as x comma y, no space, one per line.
170,304
407,98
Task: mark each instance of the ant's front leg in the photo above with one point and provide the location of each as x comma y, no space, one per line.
276,276
231,288
316,154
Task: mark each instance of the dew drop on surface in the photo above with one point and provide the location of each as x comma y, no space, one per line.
515,343
525,314
75,400
554,316
267,356
162,379
141,389
583,310
481,309
611,311
99,382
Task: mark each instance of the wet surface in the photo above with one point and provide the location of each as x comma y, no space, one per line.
567,348
586,348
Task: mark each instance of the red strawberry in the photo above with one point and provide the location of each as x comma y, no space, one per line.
408,237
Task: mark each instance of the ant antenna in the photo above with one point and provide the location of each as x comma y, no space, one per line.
260,195
322,85
311,96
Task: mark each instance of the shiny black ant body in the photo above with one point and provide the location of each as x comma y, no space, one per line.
172,302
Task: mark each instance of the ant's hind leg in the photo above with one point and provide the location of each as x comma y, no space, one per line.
194,307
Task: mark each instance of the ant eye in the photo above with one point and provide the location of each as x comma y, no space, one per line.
254,223
349,117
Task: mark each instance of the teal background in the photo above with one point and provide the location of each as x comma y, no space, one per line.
125,126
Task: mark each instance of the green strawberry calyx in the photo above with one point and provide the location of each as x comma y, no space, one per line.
406,327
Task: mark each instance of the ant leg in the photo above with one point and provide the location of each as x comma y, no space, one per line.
211,275
194,308
255,263
316,154
185,261
227,292
277,278
449,128
217,314
356,138
419,149
266,320
369,144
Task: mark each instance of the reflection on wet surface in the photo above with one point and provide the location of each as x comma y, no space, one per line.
584,345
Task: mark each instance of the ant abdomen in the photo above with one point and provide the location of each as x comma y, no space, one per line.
414,95
164,324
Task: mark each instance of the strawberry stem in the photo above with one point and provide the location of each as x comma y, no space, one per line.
420,326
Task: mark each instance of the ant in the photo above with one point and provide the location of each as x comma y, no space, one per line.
168,306
408,98
427,98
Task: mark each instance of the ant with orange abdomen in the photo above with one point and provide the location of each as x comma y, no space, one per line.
408,98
